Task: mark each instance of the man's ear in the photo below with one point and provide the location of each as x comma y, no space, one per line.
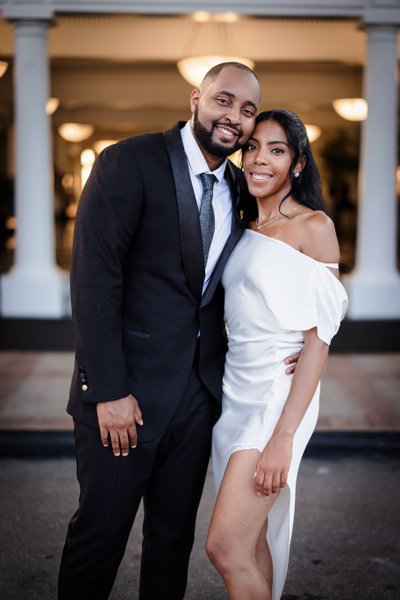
194,100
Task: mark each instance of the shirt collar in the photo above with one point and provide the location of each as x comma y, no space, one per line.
197,162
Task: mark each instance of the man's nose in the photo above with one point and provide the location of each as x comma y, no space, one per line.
234,114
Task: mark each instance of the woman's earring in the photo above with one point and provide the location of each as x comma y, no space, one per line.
297,174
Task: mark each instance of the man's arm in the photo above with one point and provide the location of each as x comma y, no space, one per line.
107,218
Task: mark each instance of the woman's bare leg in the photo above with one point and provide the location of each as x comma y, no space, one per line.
234,543
263,554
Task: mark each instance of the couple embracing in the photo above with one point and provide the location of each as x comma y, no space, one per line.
198,286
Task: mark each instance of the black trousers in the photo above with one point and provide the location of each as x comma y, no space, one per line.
168,473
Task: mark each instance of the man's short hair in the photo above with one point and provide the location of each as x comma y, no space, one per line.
213,73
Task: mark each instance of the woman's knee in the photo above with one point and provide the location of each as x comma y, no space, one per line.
218,550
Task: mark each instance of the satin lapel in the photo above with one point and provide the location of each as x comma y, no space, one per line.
235,235
192,249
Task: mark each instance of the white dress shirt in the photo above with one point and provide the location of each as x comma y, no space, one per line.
222,202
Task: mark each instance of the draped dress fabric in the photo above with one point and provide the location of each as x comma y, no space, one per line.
273,293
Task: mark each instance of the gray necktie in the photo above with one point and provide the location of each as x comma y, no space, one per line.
207,219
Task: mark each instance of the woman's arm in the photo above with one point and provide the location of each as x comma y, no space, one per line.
317,239
273,466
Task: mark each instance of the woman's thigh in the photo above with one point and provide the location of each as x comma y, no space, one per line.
239,514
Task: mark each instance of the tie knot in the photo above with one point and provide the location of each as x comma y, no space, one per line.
207,181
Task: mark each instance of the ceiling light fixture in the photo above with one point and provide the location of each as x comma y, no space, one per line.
194,68
313,132
351,109
3,67
75,132
216,33
51,105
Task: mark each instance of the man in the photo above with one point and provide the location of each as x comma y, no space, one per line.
150,344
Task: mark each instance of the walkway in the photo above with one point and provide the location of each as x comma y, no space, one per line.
359,392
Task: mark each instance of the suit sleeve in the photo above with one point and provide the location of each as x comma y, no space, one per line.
106,222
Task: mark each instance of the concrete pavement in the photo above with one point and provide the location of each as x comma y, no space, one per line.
345,542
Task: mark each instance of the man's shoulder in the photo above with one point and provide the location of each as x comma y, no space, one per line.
147,141
135,148
140,141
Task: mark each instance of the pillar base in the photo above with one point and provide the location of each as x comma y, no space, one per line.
373,295
35,293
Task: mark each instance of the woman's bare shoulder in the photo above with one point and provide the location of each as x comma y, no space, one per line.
318,237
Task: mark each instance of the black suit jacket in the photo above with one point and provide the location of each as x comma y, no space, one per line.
136,280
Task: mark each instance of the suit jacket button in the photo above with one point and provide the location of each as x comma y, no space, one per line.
85,387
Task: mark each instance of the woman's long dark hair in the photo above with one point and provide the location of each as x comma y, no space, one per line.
306,188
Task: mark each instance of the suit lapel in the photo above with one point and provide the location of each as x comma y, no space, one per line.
192,250
235,235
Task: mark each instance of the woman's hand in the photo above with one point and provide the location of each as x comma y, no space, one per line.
273,466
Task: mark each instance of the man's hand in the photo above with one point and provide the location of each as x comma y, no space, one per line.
117,421
292,362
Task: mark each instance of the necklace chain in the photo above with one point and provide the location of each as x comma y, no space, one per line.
260,226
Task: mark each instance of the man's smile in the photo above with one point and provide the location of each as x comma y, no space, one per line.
228,131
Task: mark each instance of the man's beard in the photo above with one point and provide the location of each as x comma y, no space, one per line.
204,137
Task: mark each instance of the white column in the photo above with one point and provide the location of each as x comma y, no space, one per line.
35,286
374,285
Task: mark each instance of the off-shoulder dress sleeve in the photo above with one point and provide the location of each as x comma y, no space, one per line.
331,303
306,298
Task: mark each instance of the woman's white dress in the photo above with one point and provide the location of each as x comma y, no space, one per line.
272,294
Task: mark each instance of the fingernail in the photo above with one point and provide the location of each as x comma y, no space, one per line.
255,475
134,446
258,494
141,422
125,453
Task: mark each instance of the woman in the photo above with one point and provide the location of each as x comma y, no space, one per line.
282,295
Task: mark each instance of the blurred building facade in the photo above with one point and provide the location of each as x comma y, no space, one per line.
112,66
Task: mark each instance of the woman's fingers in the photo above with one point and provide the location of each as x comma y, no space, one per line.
284,477
270,482
259,480
267,487
276,483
